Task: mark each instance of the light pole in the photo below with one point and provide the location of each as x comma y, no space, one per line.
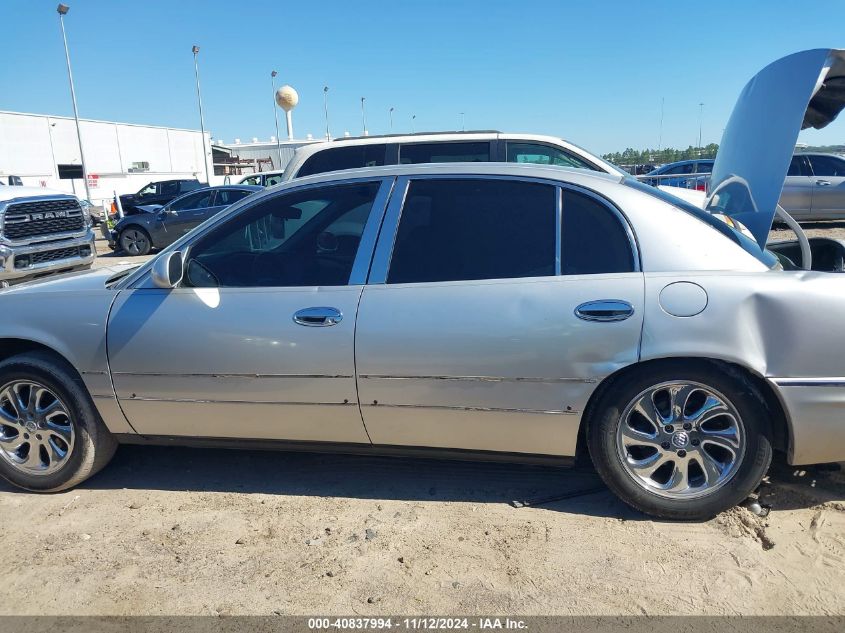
276,116
463,122
195,50
413,124
700,110
326,109
364,117
660,132
62,10
390,116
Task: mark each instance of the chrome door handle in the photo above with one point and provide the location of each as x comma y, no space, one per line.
318,317
604,310
823,183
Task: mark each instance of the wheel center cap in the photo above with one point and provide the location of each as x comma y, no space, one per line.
31,426
680,440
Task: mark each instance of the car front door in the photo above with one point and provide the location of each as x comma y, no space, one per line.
182,215
797,195
491,312
258,340
828,186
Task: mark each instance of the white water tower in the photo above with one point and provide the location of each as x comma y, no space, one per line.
286,99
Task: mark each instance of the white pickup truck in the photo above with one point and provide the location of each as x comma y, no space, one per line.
42,232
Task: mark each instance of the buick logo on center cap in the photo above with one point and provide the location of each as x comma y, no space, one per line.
680,440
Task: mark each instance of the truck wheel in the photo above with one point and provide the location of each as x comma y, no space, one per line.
681,441
51,436
135,241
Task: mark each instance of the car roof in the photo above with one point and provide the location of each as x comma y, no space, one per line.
524,170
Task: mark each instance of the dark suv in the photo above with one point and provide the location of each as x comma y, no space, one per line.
157,193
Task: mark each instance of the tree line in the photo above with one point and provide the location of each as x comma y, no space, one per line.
660,157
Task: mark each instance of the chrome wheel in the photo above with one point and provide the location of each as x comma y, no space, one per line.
36,432
680,440
134,242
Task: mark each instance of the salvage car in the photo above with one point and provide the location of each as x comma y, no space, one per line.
157,226
489,310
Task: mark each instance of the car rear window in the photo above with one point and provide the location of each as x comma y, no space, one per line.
338,158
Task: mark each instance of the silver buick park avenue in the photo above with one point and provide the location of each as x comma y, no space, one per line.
487,310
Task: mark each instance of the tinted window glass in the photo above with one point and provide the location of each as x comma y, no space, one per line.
796,166
229,196
414,153
194,201
149,190
170,188
704,168
306,238
190,185
686,168
273,179
337,158
827,166
544,155
252,180
593,239
474,229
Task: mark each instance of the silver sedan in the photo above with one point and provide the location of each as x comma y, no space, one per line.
815,187
496,310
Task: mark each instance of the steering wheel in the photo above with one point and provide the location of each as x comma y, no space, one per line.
803,242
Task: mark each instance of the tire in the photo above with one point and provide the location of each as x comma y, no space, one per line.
135,241
706,467
78,430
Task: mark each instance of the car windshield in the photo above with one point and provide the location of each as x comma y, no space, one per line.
748,245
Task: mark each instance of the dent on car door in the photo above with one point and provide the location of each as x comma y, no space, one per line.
467,333
258,340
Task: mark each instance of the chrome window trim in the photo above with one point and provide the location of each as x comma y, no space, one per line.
390,225
140,278
369,236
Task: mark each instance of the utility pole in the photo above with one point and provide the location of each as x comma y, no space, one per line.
62,10
364,117
195,50
276,116
326,110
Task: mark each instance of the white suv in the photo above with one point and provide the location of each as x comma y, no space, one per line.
447,147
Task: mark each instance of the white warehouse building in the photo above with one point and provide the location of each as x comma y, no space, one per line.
43,151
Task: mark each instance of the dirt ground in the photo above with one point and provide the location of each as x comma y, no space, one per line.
169,530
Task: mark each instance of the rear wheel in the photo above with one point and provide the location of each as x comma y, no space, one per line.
135,241
680,441
51,437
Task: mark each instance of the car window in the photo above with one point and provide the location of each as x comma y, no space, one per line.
796,167
305,238
415,153
474,229
543,155
273,179
230,196
194,201
685,168
704,168
827,165
252,180
190,185
149,190
169,188
337,158
593,238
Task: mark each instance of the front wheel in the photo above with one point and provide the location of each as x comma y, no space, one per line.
679,441
51,437
135,241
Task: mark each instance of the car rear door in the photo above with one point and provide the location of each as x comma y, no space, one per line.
797,195
828,186
258,341
491,312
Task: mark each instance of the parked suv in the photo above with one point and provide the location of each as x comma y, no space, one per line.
42,232
157,193
447,147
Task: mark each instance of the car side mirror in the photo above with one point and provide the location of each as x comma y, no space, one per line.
167,270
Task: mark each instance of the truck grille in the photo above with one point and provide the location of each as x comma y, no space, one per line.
42,217
73,252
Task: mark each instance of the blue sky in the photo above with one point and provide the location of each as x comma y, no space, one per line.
592,72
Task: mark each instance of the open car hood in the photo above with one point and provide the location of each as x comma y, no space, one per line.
802,90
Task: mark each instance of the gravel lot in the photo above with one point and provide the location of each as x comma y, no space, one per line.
168,530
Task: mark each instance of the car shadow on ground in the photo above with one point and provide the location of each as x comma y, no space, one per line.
573,491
